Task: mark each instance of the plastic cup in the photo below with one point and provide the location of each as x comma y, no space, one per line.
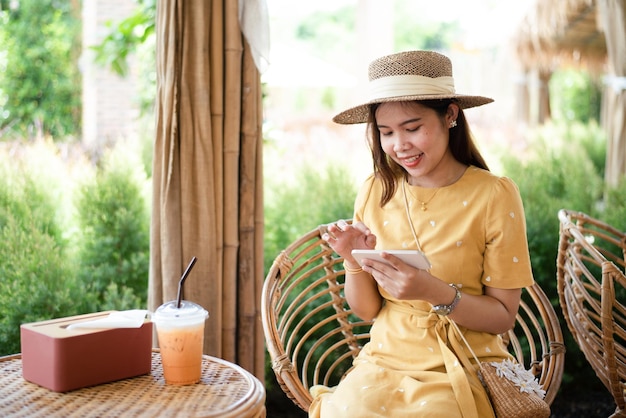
180,332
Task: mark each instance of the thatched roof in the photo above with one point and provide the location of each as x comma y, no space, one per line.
561,32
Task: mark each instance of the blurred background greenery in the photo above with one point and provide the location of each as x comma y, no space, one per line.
74,223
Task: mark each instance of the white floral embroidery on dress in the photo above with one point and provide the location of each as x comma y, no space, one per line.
385,223
515,260
404,244
459,243
512,214
465,203
488,278
432,223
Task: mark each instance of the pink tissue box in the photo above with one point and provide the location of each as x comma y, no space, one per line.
62,360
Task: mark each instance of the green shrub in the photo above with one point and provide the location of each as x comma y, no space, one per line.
548,184
564,171
37,281
292,209
575,96
23,201
556,175
114,221
119,298
614,210
55,263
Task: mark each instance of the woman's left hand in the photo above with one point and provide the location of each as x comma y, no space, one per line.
399,279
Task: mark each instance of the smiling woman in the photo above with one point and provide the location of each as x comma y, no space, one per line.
415,136
428,174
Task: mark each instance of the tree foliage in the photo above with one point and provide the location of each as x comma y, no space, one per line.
415,32
124,37
134,35
40,89
326,32
575,96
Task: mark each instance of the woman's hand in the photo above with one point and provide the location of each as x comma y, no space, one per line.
399,279
343,238
494,311
360,289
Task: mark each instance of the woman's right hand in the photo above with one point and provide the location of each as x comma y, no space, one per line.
344,237
360,289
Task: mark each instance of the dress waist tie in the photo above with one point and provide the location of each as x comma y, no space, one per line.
455,370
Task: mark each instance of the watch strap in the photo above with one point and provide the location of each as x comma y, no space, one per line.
447,309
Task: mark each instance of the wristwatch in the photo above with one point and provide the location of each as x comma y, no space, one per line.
447,309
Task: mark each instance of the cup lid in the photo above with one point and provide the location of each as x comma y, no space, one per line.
188,310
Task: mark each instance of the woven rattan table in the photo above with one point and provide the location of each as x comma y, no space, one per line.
225,390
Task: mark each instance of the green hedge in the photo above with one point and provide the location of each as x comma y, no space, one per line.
113,217
564,170
92,258
37,278
294,206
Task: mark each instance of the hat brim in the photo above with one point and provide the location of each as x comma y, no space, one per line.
360,114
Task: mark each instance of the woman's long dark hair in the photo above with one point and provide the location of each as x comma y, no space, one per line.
461,145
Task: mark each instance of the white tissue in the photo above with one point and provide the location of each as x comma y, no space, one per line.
133,318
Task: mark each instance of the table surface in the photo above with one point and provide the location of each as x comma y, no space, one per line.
225,390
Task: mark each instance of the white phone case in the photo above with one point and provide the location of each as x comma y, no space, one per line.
414,258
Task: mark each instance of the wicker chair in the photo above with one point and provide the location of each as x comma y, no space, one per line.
590,276
312,336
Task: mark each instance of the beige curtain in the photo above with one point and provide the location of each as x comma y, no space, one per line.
207,175
612,20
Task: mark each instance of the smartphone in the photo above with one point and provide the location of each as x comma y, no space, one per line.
413,258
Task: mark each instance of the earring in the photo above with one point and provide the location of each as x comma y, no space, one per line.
453,124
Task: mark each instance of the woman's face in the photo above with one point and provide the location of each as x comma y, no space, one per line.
416,138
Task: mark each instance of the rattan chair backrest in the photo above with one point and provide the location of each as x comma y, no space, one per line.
312,336
592,294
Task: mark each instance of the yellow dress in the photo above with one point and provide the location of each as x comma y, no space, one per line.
474,234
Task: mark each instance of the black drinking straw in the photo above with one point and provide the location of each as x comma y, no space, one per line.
182,281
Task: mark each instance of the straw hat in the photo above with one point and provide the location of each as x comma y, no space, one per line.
411,75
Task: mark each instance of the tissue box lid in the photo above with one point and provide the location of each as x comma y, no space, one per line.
63,360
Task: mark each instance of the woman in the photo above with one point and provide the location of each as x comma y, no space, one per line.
431,191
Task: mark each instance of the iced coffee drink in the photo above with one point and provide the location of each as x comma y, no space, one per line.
180,332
